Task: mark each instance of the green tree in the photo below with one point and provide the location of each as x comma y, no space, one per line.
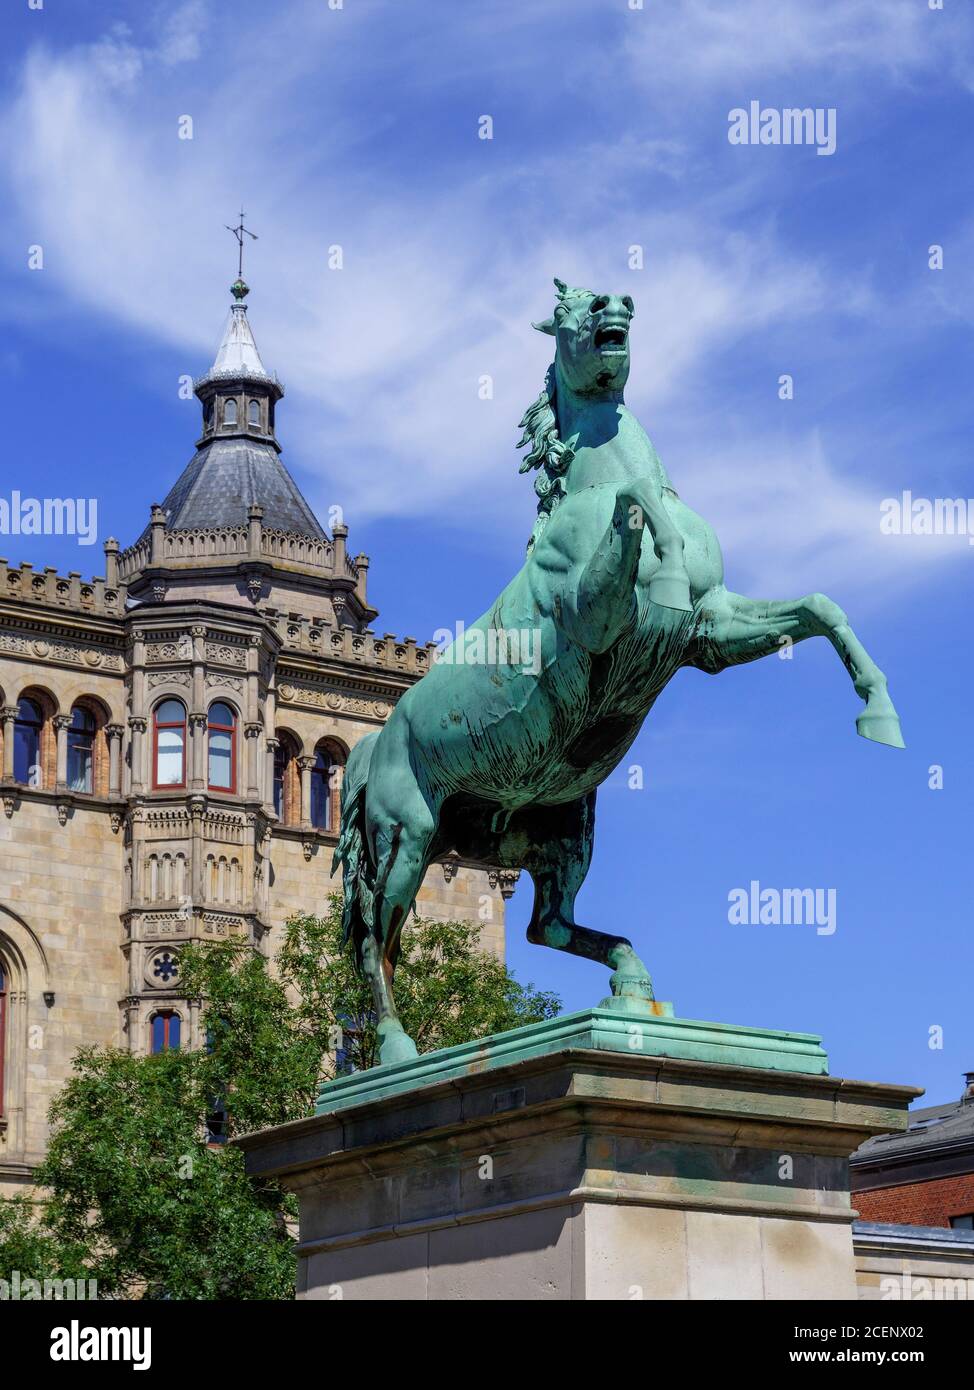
142,1198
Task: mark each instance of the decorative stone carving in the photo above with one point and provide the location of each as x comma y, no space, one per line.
215,925
505,880
224,655
162,969
63,810
9,802
156,678
66,653
332,700
166,924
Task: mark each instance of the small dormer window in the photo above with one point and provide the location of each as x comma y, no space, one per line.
253,413
230,412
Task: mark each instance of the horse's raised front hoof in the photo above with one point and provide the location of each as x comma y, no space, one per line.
881,728
671,591
395,1044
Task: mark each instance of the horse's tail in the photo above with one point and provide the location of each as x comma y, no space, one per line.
352,850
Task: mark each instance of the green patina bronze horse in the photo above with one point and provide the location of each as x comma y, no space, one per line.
498,757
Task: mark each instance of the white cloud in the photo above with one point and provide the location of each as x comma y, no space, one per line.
710,43
790,522
382,359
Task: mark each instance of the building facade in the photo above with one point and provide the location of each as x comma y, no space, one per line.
924,1177
172,738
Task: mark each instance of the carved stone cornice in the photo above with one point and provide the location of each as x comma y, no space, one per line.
51,643
333,701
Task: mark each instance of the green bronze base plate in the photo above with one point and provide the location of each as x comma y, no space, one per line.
646,1029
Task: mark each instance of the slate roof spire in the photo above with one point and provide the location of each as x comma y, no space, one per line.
237,354
237,464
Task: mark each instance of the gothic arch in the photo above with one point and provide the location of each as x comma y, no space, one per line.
27,975
25,947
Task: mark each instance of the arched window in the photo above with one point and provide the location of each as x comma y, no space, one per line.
169,744
220,727
324,789
230,412
81,750
3,1028
27,742
164,1029
287,781
253,413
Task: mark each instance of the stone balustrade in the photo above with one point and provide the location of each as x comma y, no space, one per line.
49,588
389,652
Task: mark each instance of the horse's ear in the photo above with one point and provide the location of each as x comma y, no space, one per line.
560,285
548,326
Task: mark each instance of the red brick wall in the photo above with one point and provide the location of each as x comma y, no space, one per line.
918,1204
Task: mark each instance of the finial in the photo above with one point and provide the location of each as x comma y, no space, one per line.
240,289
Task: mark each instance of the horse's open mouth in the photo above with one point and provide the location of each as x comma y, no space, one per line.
612,338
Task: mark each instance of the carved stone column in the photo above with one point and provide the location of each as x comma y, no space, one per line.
252,733
113,732
62,723
137,728
197,809
8,714
306,764
272,746
197,751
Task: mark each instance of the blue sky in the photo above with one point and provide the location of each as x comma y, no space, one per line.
358,128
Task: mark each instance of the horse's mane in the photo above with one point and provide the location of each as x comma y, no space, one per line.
548,453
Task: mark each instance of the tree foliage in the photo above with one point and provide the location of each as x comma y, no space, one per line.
144,1194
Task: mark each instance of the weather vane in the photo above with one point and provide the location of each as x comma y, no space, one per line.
239,289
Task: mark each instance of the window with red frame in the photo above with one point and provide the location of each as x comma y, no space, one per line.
221,726
169,744
165,1028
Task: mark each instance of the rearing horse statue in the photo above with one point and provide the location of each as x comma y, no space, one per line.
499,758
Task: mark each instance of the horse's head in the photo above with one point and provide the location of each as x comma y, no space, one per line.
592,336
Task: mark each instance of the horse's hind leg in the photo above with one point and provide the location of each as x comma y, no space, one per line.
558,860
402,828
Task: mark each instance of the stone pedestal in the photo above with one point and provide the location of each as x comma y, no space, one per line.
572,1160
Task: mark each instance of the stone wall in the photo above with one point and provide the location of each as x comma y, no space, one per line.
60,897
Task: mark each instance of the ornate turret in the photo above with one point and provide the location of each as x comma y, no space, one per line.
234,526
